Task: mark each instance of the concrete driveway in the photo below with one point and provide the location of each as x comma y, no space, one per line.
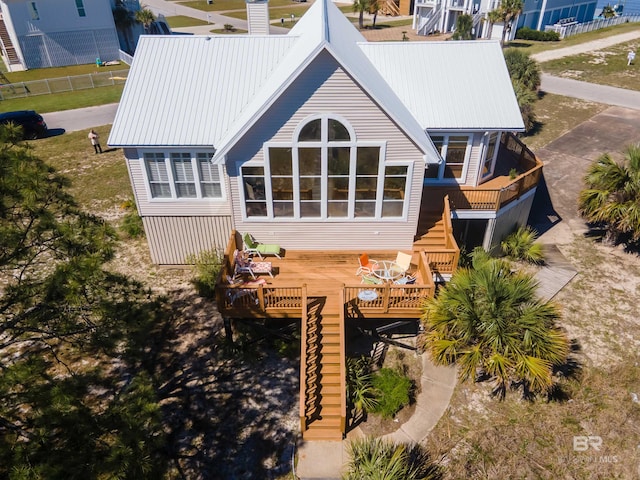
566,161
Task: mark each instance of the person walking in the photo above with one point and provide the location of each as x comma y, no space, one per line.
95,141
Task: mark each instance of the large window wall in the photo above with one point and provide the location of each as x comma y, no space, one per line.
325,174
454,148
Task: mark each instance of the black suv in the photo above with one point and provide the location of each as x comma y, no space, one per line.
32,124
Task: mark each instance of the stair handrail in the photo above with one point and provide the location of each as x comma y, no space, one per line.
343,365
448,229
430,20
303,360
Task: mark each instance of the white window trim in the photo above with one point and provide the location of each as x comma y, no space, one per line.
172,183
465,167
485,145
324,144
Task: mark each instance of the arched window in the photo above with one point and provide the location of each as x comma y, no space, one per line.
325,173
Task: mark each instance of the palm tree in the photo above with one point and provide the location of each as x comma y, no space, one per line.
145,17
361,6
506,13
124,20
377,459
612,196
522,68
464,28
608,12
488,321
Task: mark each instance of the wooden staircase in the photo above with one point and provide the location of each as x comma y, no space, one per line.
7,46
322,367
436,232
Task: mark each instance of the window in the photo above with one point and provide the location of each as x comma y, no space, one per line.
182,175
158,176
454,151
80,7
324,174
490,154
33,11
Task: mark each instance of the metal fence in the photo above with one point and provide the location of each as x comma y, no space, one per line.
62,84
569,30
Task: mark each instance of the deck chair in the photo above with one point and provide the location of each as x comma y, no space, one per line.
246,265
251,247
367,266
371,280
403,260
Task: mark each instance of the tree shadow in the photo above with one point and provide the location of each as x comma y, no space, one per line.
228,412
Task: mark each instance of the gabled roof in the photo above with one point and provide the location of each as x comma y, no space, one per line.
450,85
207,91
324,27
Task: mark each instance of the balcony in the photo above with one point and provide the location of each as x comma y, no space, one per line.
503,188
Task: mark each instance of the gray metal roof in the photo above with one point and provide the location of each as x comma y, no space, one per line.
449,85
209,90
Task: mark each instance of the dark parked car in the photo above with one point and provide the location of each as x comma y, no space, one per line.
32,124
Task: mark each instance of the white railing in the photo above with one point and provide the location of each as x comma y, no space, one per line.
125,57
430,21
569,30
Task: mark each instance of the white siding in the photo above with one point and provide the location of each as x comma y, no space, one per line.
173,207
314,92
258,18
515,214
172,239
474,159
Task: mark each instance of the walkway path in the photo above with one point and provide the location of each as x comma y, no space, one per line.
591,91
585,47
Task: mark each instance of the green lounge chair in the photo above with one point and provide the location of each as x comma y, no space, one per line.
251,247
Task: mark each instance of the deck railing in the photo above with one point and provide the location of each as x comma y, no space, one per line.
483,198
303,365
343,366
392,298
444,260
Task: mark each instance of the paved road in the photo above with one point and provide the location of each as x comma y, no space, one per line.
81,118
590,91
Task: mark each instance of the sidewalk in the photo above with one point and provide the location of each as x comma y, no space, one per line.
585,47
590,91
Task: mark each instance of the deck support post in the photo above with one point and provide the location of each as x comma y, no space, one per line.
227,329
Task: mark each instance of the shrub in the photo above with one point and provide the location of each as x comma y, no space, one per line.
526,33
206,265
375,458
360,390
393,391
229,28
520,245
131,223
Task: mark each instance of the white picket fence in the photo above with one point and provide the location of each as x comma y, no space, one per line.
569,30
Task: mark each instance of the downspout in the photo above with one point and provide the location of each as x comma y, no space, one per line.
542,9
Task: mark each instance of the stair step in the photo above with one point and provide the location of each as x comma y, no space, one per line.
332,389
331,349
330,399
333,434
330,412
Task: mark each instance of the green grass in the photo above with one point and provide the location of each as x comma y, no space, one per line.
222,31
277,13
556,115
100,183
65,100
606,67
56,72
532,47
223,5
179,21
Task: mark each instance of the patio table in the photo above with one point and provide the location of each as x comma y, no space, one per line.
388,270
367,295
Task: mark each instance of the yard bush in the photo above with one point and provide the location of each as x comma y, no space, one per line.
206,265
393,391
360,391
520,245
131,223
526,33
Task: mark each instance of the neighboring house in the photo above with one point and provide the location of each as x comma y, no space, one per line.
536,14
54,33
319,134
430,16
